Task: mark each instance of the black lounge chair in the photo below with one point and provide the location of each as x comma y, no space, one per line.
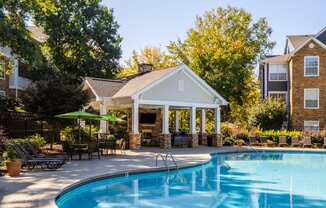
31,162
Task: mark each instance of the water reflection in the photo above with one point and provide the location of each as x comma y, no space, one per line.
259,180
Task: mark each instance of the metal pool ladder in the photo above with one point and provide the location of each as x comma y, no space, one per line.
165,158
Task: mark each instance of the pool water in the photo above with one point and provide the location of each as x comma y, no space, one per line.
264,180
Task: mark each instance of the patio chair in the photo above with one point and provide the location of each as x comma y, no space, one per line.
68,149
121,146
31,162
253,141
92,148
282,141
295,142
307,141
324,144
263,140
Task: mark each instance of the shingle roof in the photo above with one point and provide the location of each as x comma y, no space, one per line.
105,87
140,82
125,87
297,40
37,33
282,59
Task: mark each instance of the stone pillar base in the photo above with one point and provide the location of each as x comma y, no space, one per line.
217,140
165,142
134,141
202,138
194,140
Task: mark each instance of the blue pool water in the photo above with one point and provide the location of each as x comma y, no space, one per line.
264,180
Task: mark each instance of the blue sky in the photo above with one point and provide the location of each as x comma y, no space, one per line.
157,22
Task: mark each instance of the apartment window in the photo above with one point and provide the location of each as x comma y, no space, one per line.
277,72
2,93
279,95
311,66
311,98
2,71
311,126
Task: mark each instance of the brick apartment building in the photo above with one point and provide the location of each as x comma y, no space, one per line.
299,77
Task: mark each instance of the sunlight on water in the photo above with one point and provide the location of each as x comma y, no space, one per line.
255,180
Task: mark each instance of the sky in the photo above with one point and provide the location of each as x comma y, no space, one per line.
155,23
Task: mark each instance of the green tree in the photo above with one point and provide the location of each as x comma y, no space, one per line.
82,38
148,55
13,33
268,114
47,98
223,49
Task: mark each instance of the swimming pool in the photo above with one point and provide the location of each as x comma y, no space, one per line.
258,179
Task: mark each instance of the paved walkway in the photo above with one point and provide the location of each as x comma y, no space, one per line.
39,188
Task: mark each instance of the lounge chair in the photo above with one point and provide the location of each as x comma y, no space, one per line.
295,142
307,142
324,144
31,162
253,141
282,141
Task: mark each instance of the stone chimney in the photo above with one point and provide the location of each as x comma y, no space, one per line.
143,68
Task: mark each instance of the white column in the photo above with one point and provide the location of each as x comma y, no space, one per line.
203,121
165,123
217,120
103,111
176,121
193,120
134,117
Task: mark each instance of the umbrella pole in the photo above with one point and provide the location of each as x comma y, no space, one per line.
79,131
90,129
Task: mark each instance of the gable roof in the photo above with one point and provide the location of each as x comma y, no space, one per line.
104,87
297,40
134,85
140,82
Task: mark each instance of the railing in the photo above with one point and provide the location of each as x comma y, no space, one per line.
165,158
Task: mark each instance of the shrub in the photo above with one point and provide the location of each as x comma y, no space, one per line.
229,141
71,133
268,114
10,155
235,131
240,142
37,140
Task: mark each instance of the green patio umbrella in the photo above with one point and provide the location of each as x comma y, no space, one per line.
111,117
79,115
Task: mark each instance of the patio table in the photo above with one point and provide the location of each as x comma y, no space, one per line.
80,149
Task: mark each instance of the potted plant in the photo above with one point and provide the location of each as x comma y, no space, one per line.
13,162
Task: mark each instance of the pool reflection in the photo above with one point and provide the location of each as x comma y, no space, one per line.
230,180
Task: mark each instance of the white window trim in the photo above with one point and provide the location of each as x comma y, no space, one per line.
279,80
304,67
4,77
306,121
304,98
279,92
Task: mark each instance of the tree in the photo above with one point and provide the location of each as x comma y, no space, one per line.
268,114
149,55
48,98
13,33
82,38
223,48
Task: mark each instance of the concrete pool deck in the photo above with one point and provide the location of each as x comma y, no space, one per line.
39,188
